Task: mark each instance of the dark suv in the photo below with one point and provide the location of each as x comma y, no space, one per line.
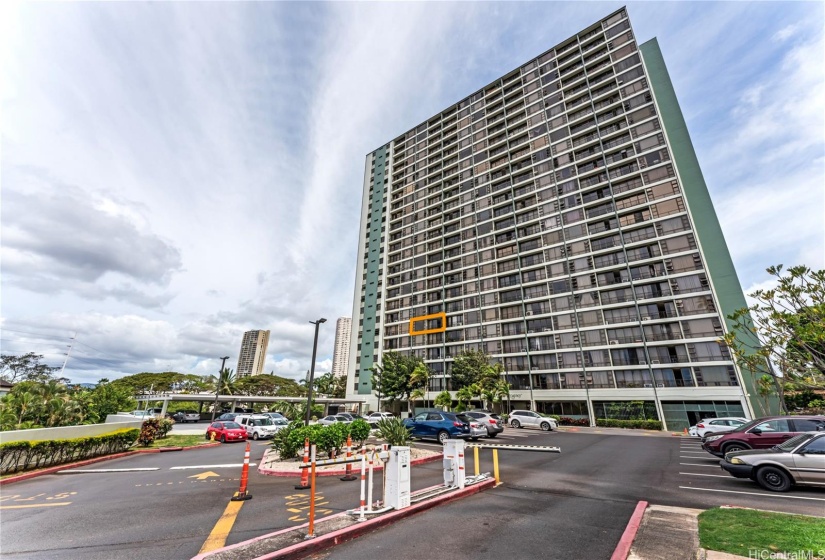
762,433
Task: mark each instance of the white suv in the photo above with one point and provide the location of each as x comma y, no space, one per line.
258,426
522,418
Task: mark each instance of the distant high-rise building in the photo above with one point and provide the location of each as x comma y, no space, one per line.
340,356
253,353
556,219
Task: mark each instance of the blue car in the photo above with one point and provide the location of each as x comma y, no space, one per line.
442,426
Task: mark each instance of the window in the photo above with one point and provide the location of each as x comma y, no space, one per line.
777,425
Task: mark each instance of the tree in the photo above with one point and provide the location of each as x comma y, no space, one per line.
24,368
782,335
107,398
225,383
398,376
466,394
146,382
444,400
474,366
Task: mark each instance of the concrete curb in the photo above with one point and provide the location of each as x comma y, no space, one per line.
341,472
339,536
54,469
623,548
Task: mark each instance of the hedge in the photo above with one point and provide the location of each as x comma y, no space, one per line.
19,456
289,441
632,424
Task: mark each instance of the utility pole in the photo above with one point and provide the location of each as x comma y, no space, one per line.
62,369
218,387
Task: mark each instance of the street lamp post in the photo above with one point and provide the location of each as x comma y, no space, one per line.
312,371
218,387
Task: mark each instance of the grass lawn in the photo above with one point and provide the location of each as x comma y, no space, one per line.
738,531
176,441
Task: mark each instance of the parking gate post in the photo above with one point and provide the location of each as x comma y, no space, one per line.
369,485
311,533
348,469
363,485
475,461
495,466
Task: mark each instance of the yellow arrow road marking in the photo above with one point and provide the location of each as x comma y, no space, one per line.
296,518
293,510
203,476
217,538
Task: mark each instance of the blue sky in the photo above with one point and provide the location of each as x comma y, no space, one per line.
174,174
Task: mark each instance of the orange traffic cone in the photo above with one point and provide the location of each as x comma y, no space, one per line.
348,472
305,472
242,494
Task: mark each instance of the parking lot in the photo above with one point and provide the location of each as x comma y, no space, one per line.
699,472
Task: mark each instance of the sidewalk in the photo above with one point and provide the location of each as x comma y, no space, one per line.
666,533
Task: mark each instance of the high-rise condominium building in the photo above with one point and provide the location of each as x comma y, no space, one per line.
556,219
253,353
340,355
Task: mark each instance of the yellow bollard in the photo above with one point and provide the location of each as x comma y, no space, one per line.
495,466
475,459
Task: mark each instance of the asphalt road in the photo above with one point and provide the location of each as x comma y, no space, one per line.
572,505
569,505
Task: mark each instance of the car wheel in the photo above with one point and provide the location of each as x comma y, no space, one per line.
255,436
774,479
223,438
491,435
515,424
443,436
473,439
736,446
545,426
207,436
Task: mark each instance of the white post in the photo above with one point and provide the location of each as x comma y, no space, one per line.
363,484
369,488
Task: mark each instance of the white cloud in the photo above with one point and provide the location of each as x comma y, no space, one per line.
177,173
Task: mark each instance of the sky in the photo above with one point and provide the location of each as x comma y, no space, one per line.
174,174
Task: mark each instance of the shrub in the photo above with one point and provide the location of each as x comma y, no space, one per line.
164,425
567,421
394,432
148,432
23,455
631,424
284,443
359,430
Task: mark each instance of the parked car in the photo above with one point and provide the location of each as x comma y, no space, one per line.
799,460
376,416
226,431
442,426
352,416
185,416
334,419
258,426
525,418
762,433
716,425
277,418
228,416
492,423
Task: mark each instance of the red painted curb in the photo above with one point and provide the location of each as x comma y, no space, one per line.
375,468
623,548
322,542
52,470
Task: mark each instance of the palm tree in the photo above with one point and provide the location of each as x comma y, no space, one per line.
414,396
226,382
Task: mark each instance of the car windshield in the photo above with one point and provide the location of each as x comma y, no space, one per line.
279,421
262,422
464,418
231,426
496,416
791,444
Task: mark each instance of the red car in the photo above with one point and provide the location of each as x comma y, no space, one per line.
762,433
226,431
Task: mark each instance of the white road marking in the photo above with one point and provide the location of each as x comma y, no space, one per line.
699,457
106,470
227,466
700,465
713,475
755,494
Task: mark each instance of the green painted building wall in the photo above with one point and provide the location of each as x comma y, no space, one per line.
729,294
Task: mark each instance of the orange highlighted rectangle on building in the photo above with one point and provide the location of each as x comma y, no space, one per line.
432,316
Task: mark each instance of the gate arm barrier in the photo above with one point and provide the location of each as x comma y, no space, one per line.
496,446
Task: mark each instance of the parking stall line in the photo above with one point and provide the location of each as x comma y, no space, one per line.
697,457
755,494
711,465
713,475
